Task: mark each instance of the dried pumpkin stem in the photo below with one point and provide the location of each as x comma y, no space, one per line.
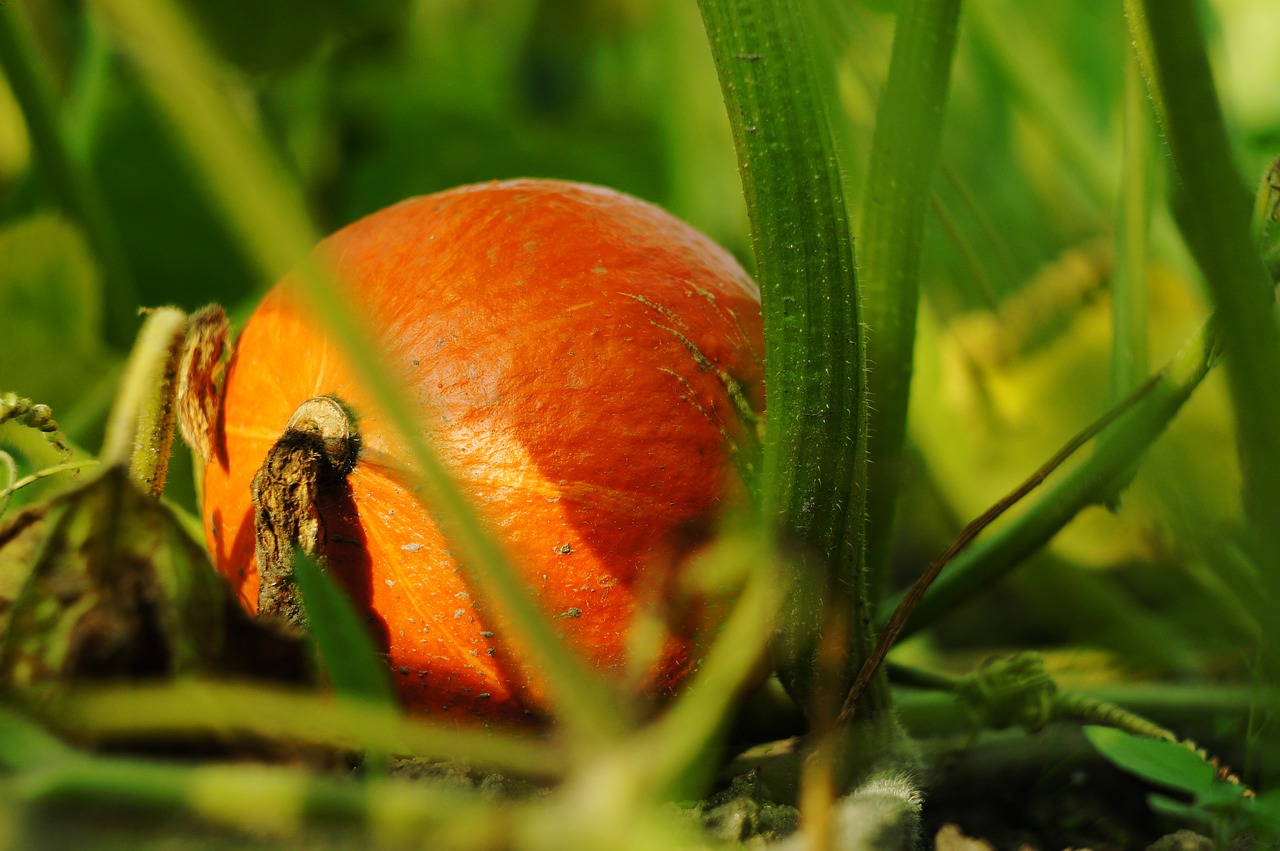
140,430
313,457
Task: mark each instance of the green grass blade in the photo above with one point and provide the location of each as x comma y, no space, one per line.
904,160
814,479
1129,358
196,709
345,648
55,152
282,803
266,211
1214,210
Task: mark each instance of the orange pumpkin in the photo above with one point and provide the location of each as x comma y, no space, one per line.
586,366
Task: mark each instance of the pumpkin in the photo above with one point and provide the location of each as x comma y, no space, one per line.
590,370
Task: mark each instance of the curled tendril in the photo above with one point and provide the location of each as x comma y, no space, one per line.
33,415
1009,692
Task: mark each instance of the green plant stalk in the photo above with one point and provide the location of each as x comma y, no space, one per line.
904,157
1129,359
71,183
192,708
814,454
140,428
1097,481
1214,210
267,213
269,801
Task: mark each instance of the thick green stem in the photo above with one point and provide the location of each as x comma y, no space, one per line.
140,429
904,158
815,461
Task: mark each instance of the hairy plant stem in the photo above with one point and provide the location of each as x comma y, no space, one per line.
140,428
815,461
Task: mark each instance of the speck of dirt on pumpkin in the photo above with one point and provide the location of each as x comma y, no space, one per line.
413,548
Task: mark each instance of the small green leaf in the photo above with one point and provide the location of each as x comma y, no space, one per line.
1168,764
345,648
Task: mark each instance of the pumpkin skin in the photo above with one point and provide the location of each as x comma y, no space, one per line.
567,346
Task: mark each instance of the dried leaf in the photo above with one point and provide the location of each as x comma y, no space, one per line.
104,582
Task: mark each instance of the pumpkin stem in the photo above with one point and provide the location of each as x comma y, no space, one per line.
316,453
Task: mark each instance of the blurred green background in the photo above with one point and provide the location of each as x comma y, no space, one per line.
369,103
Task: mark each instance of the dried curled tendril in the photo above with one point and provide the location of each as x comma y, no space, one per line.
39,417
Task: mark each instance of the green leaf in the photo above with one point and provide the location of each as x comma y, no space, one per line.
1263,812
1164,763
344,645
